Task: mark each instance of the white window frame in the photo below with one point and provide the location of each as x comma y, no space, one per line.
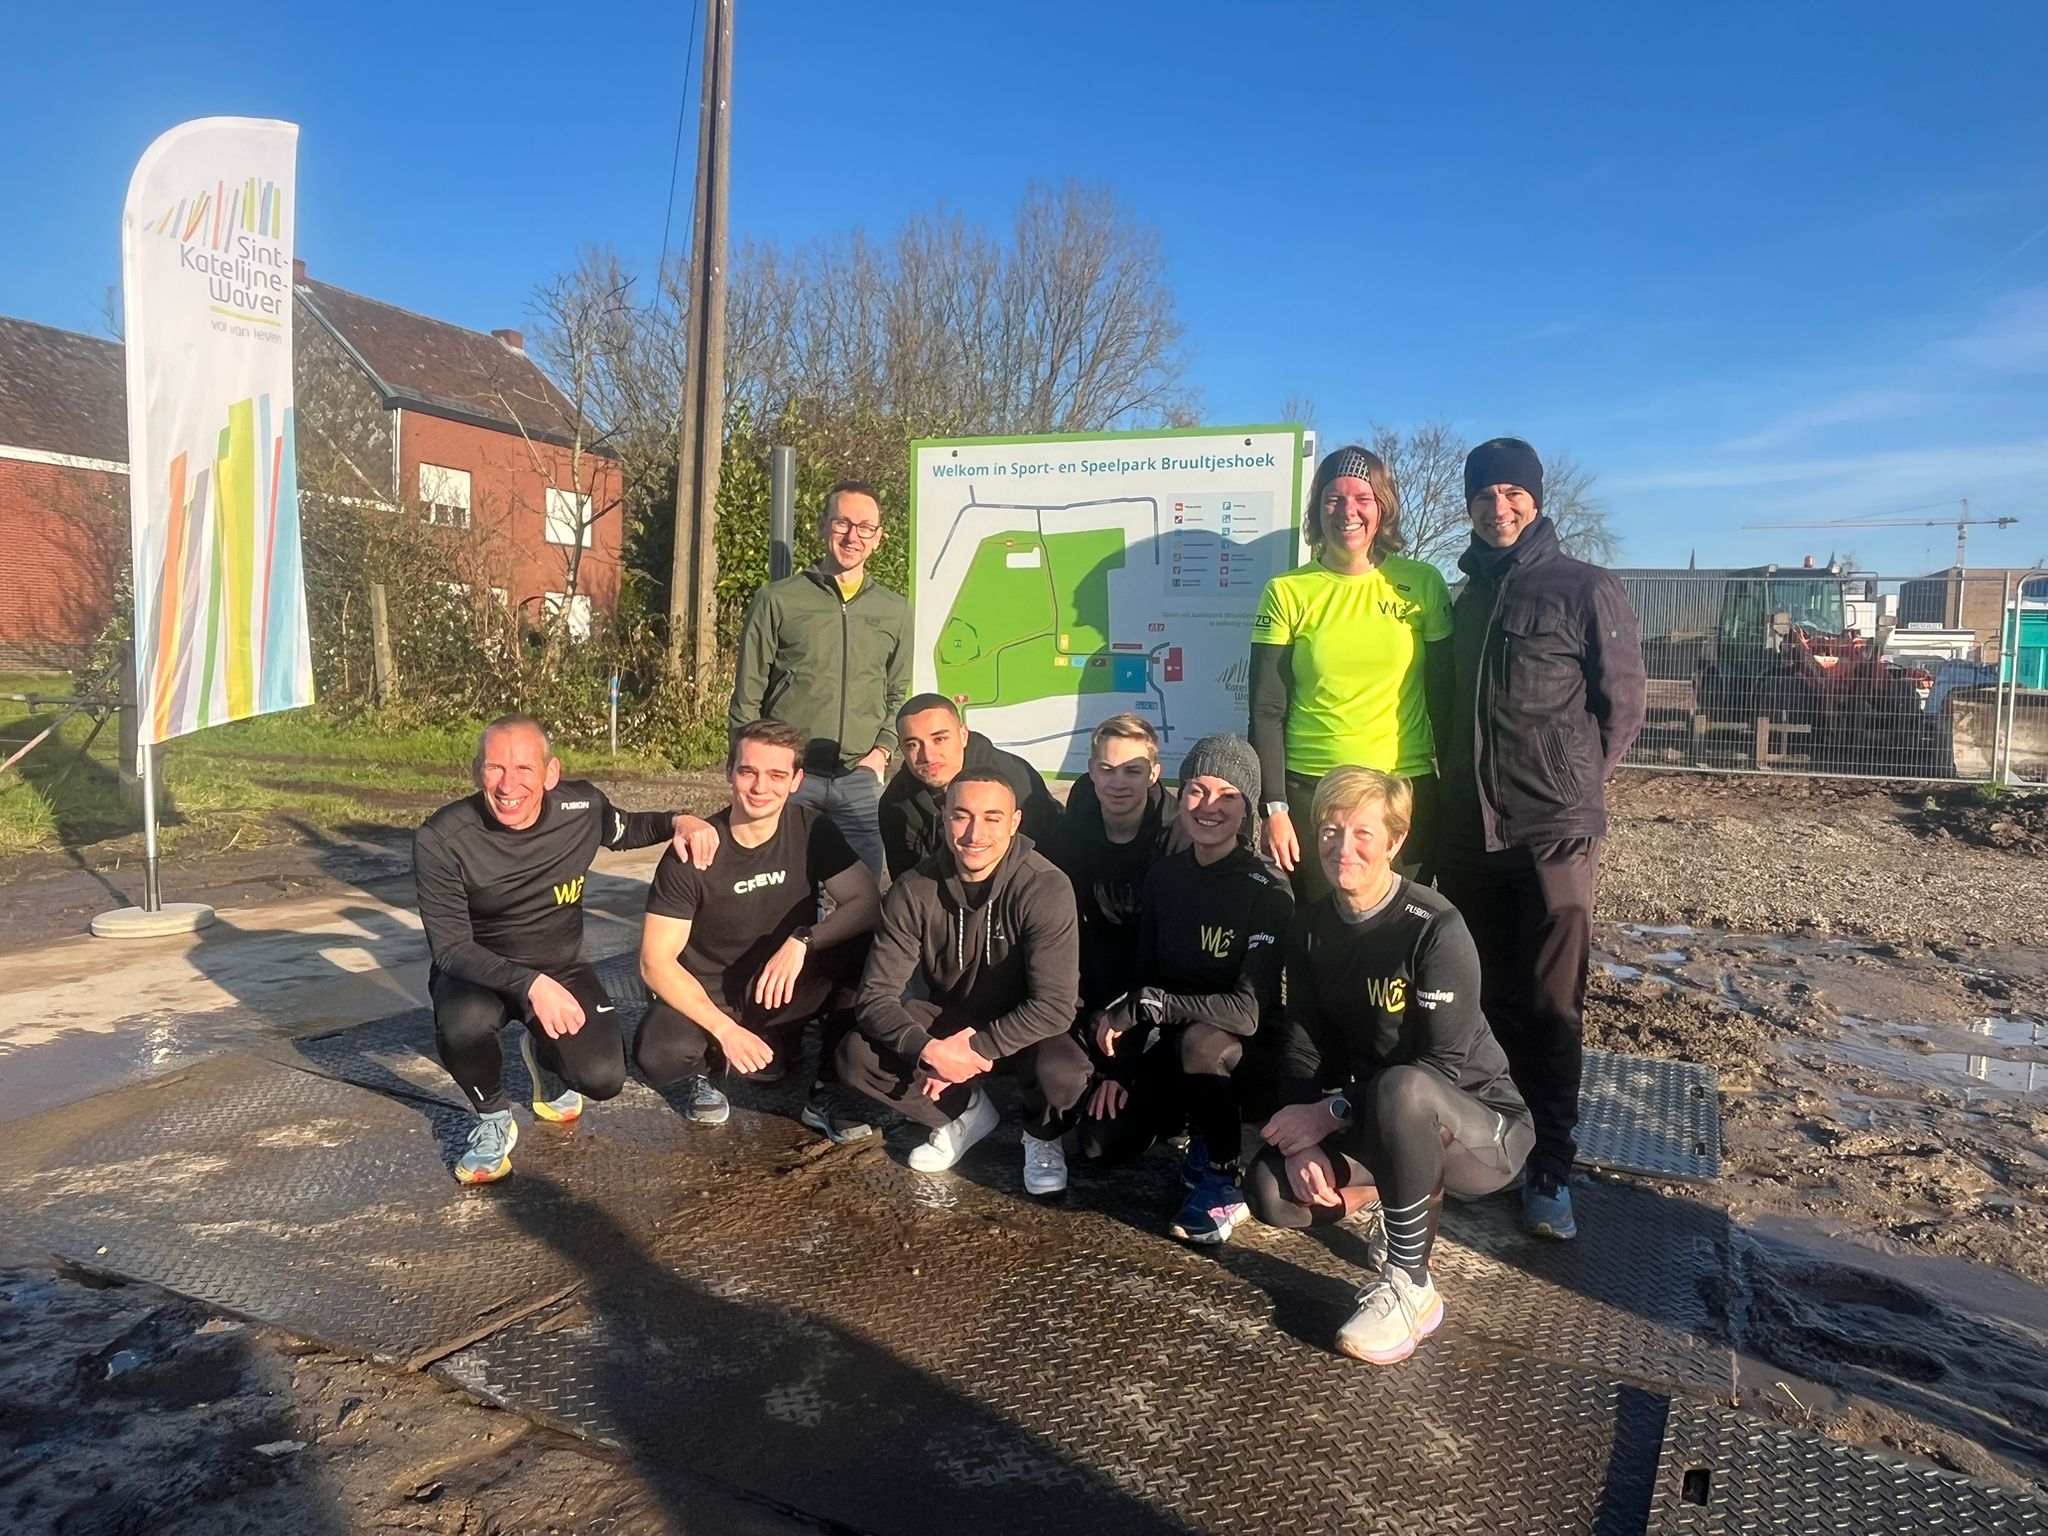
582,613
444,496
566,511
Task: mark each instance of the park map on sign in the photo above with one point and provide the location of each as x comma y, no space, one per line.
1044,618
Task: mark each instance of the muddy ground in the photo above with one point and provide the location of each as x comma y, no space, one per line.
1864,967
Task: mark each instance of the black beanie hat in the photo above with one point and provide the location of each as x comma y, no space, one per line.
1504,461
1231,759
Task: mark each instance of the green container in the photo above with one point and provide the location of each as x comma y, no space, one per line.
2025,645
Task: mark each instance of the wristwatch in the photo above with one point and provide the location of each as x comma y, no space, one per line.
1340,1108
1275,807
1150,1005
802,934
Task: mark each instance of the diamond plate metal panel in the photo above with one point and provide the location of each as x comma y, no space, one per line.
1638,1297
968,1378
1643,1114
331,1211
1724,1474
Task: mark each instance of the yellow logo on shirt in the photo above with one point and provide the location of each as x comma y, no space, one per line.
569,894
1217,941
1388,992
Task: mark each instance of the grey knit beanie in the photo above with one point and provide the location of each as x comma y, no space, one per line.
1229,758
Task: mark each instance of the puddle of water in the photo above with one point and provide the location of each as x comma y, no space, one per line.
1670,957
1935,1068
2020,1076
2011,1031
1622,972
1663,931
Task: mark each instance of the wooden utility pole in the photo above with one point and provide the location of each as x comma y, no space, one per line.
693,572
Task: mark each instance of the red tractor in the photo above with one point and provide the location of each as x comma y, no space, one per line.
1785,651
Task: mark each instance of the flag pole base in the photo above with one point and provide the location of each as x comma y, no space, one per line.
141,923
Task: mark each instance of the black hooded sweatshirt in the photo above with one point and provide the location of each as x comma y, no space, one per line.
913,816
1109,883
1003,964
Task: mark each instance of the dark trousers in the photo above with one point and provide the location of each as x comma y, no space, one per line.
1415,1134
1418,855
468,1019
670,1048
1186,1080
1531,915
1051,1076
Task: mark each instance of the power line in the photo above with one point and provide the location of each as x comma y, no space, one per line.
675,163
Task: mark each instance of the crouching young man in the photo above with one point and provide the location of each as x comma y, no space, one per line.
984,928
734,954
1383,1013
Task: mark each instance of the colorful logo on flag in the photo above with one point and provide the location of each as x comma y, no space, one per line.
223,645
213,218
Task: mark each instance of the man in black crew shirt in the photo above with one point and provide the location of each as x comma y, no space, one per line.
984,932
500,881
936,746
734,954
1120,821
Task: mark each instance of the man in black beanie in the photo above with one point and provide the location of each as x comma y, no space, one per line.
1550,689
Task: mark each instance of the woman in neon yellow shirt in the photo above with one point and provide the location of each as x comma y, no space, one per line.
1351,657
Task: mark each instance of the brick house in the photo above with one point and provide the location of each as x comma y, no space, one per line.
63,491
399,410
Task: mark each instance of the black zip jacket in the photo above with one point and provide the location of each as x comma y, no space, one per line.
1004,967
501,907
1550,692
913,817
837,666
1400,988
1109,883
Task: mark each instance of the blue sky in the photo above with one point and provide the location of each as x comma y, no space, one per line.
1761,263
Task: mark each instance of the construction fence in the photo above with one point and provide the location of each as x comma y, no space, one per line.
1804,670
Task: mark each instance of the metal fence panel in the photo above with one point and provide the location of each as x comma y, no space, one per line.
1817,670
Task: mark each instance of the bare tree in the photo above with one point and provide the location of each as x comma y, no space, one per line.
1582,523
1428,465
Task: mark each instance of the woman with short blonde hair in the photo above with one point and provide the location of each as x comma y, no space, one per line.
1400,1090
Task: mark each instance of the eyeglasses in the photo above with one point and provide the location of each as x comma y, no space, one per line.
862,531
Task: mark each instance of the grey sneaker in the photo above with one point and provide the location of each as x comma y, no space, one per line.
833,1120
704,1104
488,1157
553,1099
1370,1223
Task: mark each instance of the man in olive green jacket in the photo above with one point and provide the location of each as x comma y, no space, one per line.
828,650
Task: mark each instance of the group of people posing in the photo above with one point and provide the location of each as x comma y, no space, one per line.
1362,932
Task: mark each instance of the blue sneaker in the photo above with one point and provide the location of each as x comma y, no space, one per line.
1212,1211
1195,1167
489,1154
1547,1208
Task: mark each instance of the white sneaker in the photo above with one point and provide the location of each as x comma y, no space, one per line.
1045,1166
1394,1315
949,1143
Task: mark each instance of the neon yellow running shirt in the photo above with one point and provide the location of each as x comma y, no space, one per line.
1355,670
